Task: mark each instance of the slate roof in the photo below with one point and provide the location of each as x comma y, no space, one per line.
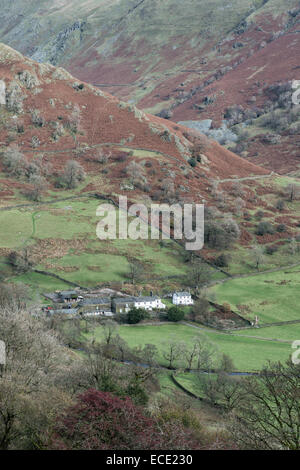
68,294
182,294
146,299
124,300
95,301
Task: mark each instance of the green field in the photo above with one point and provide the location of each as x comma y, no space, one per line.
282,332
65,234
248,354
190,382
274,297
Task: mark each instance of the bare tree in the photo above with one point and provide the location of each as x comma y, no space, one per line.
268,417
75,122
28,398
174,351
39,184
239,204
102,157
73,174
14,161
257,253
136,172
110,329
200,272
206,354
292,191
136,270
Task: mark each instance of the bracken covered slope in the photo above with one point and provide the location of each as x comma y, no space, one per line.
193,59
43,102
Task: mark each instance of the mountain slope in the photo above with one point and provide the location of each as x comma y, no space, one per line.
48,101
190,63
51,118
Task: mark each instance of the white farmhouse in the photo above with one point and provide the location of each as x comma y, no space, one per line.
149,303
182,298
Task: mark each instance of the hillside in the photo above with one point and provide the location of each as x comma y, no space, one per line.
47,102
51,119
189,63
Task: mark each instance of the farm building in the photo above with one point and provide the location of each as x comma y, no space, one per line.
69,296
182,298
149,303
98,305
63,311
124,304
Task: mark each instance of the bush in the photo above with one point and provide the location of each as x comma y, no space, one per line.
102,421
280,205
281,228
136,315
37,119
264,228
221,235
271,249
222,261
175,314
14,98
193,162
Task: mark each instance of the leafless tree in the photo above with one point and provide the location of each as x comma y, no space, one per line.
268,417
174,350
136,172
257,253
14,161
28,398
73,174
136,271
292,192
39,185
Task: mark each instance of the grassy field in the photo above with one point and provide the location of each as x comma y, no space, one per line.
190,382
274,297
248,354
282,332
65,234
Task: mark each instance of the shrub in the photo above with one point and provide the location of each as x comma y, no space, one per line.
37,119
271,249
28,79
21,260
123,157
14,98
259,214
136,315
222,261
226,307
220,235
264,228
102,421
281,228
35,141
280,205
175,314
193,162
